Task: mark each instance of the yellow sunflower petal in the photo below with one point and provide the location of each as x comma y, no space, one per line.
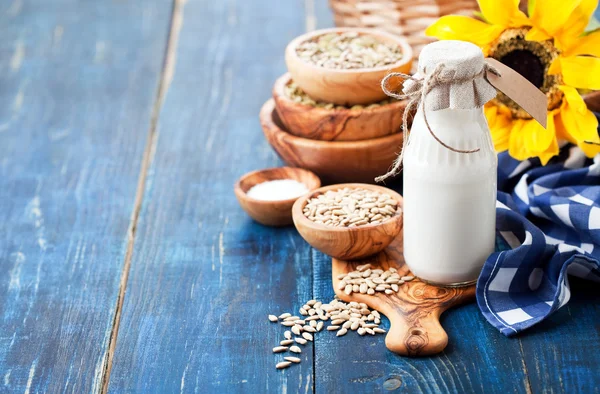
551,15
457,27
552,150
500,123
582,72
503,12
573,99
529,139
536,138
587,45
576,24
537,34
576,123
516,147
555,67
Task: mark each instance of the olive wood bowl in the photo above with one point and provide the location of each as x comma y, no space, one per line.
348,243
345,86
272,213
332,161
336,124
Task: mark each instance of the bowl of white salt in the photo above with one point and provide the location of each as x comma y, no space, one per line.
268,195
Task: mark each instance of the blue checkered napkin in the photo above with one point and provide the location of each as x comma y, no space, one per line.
549,218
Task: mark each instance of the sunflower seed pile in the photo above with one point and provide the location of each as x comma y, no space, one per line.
365,280
343,317
350,207
296,94
348,51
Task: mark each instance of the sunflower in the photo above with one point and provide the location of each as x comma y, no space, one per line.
550,49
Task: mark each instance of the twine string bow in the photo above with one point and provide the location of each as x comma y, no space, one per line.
416,94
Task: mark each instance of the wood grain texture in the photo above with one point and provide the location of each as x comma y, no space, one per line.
278,212
479,360
348,243
336,124
78,81
363,160
414,311
204,276
345,86
562,354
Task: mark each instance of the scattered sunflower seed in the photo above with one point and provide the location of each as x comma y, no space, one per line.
310,329
273,318
355,316
366,280
297,329
283,364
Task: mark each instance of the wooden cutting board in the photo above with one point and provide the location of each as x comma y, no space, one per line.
414,311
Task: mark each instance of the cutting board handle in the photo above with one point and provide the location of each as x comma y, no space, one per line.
415,334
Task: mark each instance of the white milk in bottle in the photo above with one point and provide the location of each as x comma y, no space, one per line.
449,194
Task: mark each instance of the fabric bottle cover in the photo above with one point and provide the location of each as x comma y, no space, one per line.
463,65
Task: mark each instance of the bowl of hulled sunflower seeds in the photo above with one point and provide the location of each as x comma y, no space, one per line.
345,66
308,118
349,221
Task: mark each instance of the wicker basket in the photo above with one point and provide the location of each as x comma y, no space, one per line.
408,18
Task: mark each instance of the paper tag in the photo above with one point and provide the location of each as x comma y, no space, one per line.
520,90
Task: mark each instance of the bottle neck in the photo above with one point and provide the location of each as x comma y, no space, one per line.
462,129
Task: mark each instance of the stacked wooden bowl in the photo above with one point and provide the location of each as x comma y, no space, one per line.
336,122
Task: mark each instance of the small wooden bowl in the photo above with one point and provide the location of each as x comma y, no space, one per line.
272,213
348,243
315,123
332,161
345,87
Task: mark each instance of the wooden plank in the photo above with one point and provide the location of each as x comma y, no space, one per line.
204,276
562,354
323,15
363,364
78,80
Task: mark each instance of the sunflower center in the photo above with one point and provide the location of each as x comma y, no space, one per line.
532,60
527,64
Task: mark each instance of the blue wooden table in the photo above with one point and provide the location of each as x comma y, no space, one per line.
126,264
